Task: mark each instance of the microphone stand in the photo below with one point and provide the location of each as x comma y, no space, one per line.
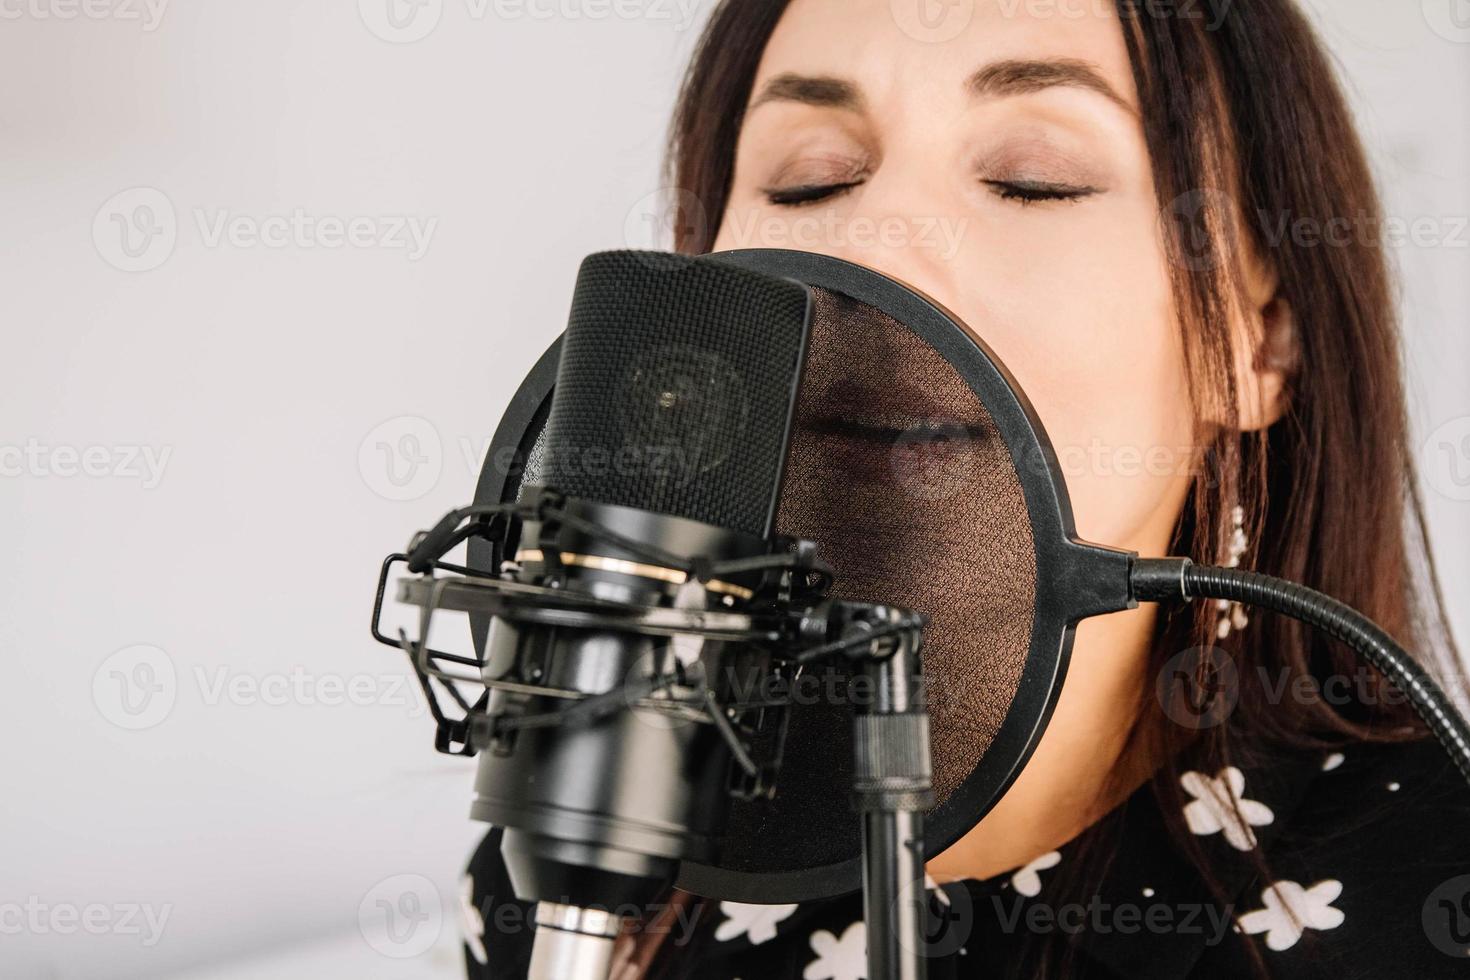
892,789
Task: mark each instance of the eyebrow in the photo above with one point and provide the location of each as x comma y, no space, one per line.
1014,77
995,80
815,90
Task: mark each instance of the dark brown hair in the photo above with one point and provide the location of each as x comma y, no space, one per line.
1246,127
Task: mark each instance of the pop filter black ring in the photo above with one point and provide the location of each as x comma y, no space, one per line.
1074,580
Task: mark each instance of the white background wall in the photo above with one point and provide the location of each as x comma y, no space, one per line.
270,376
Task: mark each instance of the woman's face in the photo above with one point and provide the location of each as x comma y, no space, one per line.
1002,171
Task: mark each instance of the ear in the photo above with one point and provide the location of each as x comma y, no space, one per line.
1266,348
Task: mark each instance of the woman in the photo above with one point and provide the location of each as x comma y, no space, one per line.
1111,182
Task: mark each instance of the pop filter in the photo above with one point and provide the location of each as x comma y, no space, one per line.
927,482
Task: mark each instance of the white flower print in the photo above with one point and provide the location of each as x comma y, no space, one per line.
1027,881
756,921
839,959
1312,908
1220,805
937,889
1332,761
471,922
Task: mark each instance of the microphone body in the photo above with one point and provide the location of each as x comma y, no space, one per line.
601,813
667,436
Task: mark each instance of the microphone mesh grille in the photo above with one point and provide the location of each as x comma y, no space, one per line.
674,392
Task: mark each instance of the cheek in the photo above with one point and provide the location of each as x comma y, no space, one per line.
759,225
1084,320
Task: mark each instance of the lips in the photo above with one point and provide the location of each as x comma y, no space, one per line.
885,434
893,408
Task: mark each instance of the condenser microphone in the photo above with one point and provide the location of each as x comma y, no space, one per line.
727,467
665,446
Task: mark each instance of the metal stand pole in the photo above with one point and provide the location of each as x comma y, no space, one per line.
892,789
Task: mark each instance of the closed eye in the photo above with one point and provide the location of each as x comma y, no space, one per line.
1021,191
806,193
1033,192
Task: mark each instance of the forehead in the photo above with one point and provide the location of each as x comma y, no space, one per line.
901,50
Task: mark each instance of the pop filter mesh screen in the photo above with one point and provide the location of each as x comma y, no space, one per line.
898,472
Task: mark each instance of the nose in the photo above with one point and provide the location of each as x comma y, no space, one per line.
903,224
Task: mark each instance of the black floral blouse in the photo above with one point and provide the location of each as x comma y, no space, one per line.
1368,848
